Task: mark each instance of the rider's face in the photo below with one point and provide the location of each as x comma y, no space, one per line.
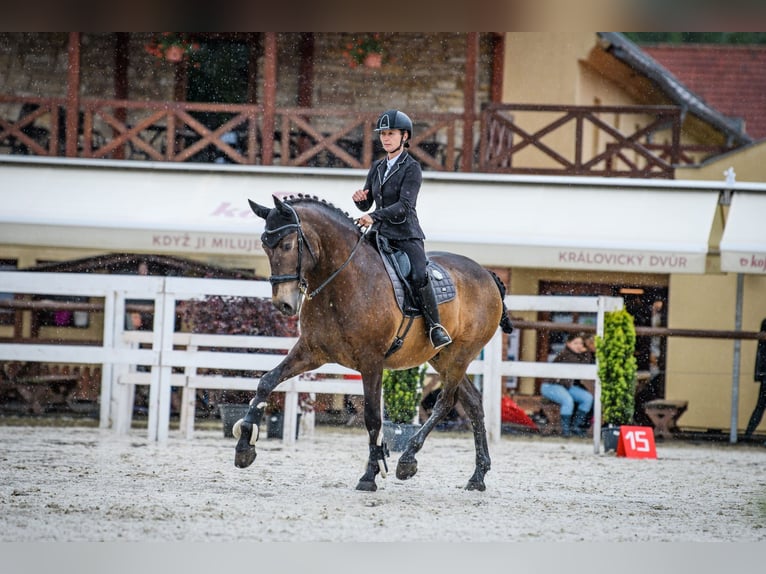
392,139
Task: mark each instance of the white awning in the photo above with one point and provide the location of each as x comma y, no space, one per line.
586,227
743,245
555,223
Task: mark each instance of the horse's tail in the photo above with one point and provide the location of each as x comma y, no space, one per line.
505,321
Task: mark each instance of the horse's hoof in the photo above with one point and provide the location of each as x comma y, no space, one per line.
406,469
475,486
244,458
244,452
367,485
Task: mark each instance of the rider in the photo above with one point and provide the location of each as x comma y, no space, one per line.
393,183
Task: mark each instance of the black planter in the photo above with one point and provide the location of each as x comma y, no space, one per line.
610,435
397,435
230,414
276,424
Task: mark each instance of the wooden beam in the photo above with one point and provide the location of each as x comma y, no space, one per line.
121,64
469,98
498,67
269,95
73,94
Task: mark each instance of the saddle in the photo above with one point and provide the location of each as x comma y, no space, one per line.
398,267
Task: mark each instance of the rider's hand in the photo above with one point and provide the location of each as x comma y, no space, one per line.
360,194
365,220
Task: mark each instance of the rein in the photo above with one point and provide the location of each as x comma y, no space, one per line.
272,237
316,291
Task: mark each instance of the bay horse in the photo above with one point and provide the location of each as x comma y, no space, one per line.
325,269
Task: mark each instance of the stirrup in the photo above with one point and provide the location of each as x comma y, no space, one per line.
443,343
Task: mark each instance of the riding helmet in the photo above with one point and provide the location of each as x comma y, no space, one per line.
394,120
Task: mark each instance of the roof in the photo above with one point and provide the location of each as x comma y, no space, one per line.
629,53
730,78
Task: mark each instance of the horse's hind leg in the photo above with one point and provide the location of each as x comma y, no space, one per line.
407,465
471,400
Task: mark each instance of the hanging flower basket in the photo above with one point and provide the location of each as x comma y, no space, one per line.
173,47
365,51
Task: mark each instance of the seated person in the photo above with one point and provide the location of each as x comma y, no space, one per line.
570,393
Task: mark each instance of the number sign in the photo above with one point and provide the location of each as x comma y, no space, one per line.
636,442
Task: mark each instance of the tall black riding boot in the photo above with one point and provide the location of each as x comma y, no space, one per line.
436,332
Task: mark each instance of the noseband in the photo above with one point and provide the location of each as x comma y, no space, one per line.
271,238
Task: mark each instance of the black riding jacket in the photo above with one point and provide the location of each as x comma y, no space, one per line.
395,198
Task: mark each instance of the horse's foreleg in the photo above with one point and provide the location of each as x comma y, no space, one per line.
246,430
376,462
471,400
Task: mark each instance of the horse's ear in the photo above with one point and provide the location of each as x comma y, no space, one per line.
260,210
281,207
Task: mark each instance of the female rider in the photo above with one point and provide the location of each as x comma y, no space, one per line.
393,183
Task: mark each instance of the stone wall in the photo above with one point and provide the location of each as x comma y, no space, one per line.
425,72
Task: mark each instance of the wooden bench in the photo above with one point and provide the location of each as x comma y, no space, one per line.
532,404
664,414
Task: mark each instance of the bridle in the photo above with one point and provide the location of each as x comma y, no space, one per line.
272,237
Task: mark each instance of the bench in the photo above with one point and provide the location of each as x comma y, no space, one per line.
664,414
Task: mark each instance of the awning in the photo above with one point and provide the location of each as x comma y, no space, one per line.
580,225
554,223
743,245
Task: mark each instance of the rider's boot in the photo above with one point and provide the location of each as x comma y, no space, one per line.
436,332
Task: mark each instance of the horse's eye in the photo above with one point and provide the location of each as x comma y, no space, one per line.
287,246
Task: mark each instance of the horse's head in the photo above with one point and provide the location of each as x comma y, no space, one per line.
286,247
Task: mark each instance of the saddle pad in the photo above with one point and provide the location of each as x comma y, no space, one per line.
444,286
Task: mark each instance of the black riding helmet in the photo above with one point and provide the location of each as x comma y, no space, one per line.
395,120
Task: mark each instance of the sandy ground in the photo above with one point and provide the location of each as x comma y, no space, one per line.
86,484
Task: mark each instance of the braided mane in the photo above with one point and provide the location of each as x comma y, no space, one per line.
314,200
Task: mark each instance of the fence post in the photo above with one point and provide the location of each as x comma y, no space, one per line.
600,305
159,424
290,419
111,307
188,399
491,386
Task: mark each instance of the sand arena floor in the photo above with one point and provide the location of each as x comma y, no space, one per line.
85,484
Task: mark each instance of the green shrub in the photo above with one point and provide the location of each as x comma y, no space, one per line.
617,367
401,393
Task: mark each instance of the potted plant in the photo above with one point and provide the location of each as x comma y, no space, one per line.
401,396
615,352
365,50
172,46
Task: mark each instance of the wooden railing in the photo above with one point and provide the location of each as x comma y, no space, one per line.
224,133
518,139
628,141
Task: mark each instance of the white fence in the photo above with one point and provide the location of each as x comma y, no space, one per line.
120,355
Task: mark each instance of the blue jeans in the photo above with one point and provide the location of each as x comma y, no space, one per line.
567,398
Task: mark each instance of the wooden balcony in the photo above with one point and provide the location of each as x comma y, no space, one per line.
640,142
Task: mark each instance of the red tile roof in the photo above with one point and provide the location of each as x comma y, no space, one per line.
731,79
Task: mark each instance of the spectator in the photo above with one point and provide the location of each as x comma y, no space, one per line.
760,377
569,393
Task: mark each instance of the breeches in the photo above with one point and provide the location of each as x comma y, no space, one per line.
417,254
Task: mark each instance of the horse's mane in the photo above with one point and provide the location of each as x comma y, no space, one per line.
335,211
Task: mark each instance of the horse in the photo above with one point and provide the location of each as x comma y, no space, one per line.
325,269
